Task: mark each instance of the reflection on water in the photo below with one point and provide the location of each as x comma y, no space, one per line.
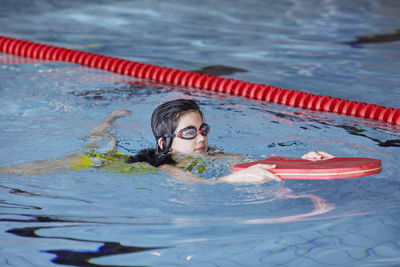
360,132
219,70
377,38
125,92
320,207
21,192
79,258
56,227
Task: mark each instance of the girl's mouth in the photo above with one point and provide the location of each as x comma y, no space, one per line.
200,150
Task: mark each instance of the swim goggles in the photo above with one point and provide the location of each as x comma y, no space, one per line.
191,132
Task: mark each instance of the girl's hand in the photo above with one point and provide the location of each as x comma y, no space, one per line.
254,174
317,155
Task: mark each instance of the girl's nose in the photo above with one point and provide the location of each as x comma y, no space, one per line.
200,138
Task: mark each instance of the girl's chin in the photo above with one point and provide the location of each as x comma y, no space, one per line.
196,152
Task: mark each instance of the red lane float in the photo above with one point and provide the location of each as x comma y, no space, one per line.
262,92
335,168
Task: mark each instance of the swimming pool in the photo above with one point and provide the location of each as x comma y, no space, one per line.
97,218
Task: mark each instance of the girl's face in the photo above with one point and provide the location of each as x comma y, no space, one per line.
194,146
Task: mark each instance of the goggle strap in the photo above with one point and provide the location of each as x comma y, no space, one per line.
169,135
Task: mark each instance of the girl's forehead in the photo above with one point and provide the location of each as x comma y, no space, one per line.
188,118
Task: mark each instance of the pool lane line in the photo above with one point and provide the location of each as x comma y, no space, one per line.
267,93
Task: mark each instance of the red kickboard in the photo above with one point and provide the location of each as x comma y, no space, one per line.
335,168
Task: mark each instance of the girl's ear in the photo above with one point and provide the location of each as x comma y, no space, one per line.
160,143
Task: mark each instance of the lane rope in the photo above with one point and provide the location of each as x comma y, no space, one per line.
293,98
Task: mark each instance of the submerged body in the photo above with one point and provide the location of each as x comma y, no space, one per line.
205,166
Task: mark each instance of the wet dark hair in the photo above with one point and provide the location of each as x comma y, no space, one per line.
164,121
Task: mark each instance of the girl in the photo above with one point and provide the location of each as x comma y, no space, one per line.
181,137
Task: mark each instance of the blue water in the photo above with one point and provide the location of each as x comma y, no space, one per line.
97,218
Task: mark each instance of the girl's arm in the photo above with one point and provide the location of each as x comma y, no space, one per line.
253,175
39,167
181,175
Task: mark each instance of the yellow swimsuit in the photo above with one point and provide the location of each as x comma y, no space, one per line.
113,162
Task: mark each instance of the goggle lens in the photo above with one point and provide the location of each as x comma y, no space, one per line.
191,132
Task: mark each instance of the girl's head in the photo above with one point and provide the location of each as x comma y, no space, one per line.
177,126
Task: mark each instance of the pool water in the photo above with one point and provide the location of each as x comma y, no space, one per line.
98,218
